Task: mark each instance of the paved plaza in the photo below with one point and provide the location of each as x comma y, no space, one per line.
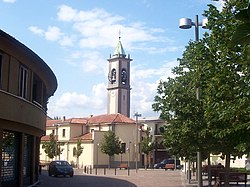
121,178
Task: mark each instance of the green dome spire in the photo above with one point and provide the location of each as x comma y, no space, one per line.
119,51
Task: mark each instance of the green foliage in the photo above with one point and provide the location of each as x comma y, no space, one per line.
220,120
110,144
147,144
242,33
52,148
77,151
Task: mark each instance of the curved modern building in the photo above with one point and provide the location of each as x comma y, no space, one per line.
26,83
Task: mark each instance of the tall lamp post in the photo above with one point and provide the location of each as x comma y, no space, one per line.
136,144
186,23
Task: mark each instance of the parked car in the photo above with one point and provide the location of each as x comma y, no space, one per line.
161,165
60,167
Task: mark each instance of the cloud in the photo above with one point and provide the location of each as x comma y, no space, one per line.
36,30
138,73
67,41
9,1
144,85
53,33
91,33
79,104
96,29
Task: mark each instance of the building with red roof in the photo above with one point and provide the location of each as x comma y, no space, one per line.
91,131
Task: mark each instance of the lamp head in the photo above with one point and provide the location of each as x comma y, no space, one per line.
185,23
204,23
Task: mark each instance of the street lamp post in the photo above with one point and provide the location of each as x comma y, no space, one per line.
136,144
128,149
97,155
186,23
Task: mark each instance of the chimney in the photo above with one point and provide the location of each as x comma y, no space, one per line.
63,118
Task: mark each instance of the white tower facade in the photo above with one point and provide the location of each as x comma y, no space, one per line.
119,82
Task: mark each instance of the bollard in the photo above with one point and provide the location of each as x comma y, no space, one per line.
96,171
104,171
115,171
128,171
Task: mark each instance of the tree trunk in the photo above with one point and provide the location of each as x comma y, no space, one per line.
227,167
209,171
146,161
77,162
109,162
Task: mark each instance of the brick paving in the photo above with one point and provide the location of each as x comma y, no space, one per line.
149,178
121,178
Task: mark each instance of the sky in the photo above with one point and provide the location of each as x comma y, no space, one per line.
75,38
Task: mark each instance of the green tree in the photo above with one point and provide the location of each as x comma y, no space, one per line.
77,151
220,120
110,145
52,148
147,145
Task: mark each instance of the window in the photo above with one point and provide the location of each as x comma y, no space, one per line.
123,148
112,76
64,132
23,81
37,90
123,76
1,59
53,131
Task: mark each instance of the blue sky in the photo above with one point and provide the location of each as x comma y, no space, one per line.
76,37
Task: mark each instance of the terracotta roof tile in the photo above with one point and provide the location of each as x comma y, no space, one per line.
79,120
50,123
47,137
87,136
110,118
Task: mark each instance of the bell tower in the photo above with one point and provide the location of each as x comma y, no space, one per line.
119,82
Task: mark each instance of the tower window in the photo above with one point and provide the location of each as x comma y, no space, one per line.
112,76
123,76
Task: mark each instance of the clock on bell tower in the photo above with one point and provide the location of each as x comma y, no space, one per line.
119,82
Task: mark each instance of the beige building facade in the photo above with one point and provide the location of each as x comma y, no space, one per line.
156,126
91,131
26,83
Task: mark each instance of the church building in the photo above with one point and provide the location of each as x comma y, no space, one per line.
90,130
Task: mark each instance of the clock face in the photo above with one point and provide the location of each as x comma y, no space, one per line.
124,76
